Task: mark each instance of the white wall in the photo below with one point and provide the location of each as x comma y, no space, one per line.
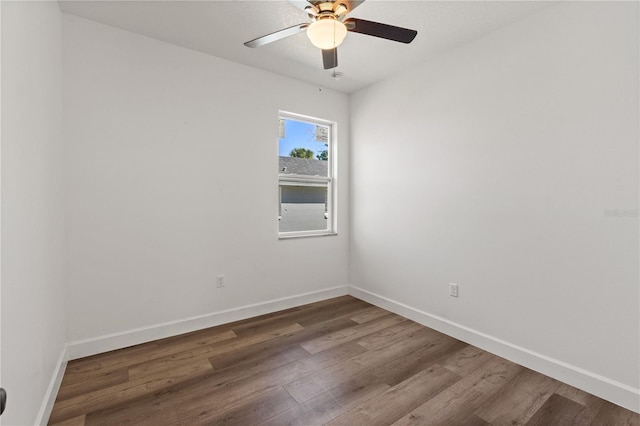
33,247
172,179
492,167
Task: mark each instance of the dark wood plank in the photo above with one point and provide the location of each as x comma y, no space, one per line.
461,400
577,395
613,415
250,411
115,360
332,311
306,315
592,403
75,421
94,381
465,360
474,420
331,403
125,392
412,363
392,335
368,314
314,384
257,351
143,415
391,405
519,400
257,354
322,343
157,365
557,410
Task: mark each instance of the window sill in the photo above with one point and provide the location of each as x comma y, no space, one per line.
295,235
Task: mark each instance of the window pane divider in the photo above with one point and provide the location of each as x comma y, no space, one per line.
284,179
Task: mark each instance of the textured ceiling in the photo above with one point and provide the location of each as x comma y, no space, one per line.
220,28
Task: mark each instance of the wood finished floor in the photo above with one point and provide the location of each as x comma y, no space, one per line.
337,362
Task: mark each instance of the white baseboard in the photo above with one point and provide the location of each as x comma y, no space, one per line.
605,388
52,390
87,347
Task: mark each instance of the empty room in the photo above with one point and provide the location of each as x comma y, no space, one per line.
303,212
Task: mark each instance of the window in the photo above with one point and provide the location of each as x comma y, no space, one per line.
305,176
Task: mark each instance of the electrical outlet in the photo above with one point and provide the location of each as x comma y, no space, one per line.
453,290
220,281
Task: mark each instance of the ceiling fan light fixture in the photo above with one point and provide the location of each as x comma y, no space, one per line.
327,33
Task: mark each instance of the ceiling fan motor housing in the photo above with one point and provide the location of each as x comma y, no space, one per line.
318,10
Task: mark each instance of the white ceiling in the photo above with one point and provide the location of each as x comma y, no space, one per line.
220,28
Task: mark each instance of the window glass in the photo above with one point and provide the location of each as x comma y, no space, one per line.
305,177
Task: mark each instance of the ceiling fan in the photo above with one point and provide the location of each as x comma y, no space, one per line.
329,27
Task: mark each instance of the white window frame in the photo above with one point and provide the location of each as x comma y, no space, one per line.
301,180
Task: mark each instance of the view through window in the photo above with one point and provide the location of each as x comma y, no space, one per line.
305,176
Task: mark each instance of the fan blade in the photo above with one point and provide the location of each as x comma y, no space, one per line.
376,29
278,35
330,58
